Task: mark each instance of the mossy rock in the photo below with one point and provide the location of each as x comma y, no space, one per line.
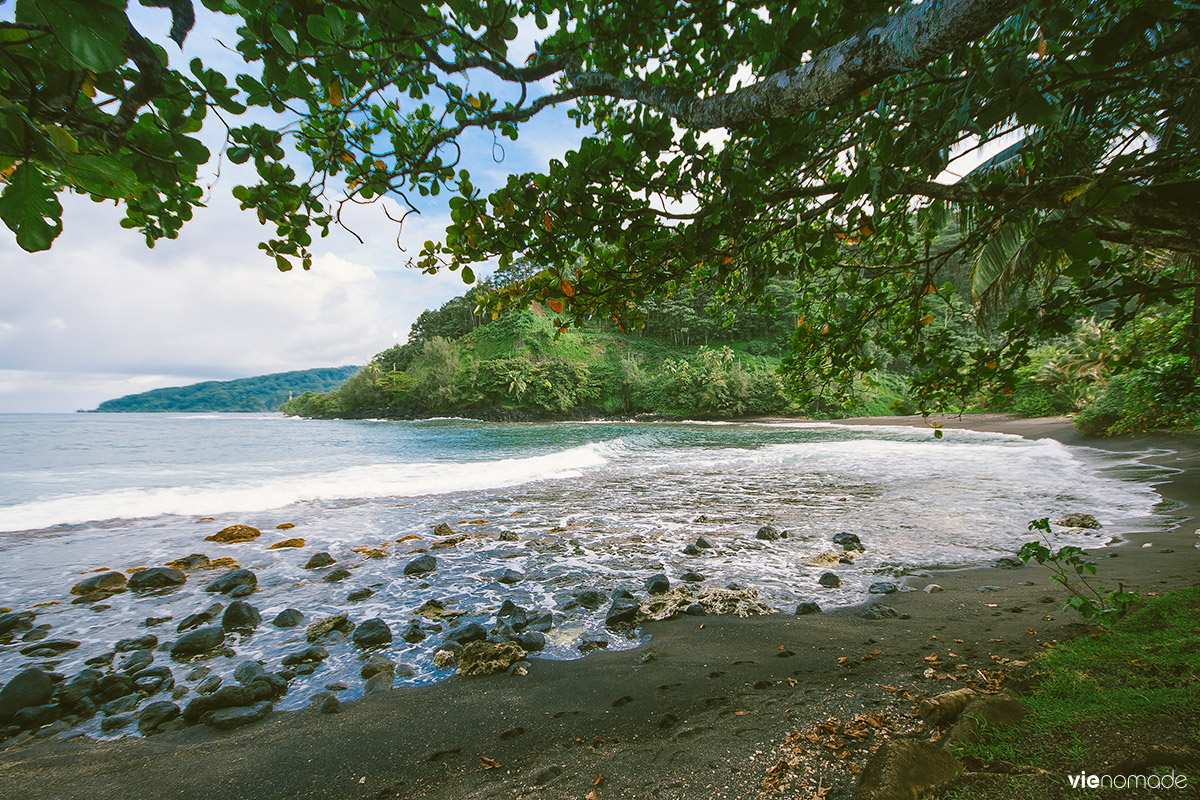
287,543
484,658
234,534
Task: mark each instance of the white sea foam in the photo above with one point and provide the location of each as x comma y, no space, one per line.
364,481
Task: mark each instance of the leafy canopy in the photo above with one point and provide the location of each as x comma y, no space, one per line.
721,143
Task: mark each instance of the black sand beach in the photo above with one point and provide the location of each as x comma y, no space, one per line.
698,712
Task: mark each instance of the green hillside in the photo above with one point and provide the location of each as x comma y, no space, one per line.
260,393
686,361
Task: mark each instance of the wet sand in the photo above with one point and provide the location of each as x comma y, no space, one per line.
698,718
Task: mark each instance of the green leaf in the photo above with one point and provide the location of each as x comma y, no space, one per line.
100,175
30,209
91,32
468,275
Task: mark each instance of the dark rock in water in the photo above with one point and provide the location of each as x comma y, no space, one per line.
240,616
511,576
147,642
110,724
502,632
268,686
421,565
325,703
620,592
359,594
113,685
845,560
463,634
830,581
155,715
102,660
200,618
691,577
84,683
326,625
703,544
883,587
1077,521
542,623
532,641
54,646
105,581
372,633
155,578
247,671
136,661
209,684
848,541
37,634
16,621
508,536
906,768
149,685
231,580
513,615
94,597
691,550
288,618
241,591
193,561
807,608
767,534
319,560
197,673
227,697
226,719
159,671
658,584
201,640
380,682
339,574
34,717
122,704
412,633
589,599
623,611
1008,562
405,671
309,655
376,664
696,610
588,645
878,611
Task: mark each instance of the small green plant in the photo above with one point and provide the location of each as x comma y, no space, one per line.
1069,567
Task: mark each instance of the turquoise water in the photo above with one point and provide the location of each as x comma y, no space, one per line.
594,505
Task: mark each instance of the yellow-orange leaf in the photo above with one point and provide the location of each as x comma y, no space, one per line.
547,223
89,84
928,318
1071,194
555,305
335,94
568,288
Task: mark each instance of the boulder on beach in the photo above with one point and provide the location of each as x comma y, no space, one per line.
154,716
231,580
287,543
201,640
155,578
309,655
233,534
226,719
1078,521
712,600
376,664
878,611
421,565
807,608
30,687
829,580
657,584
906,768
485,658
464,634
883,587
104,582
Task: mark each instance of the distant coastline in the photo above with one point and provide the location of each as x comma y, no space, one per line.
254,394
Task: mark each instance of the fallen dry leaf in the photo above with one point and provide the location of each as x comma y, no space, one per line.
1031,631
598,779
932,657
591,795
488,763
1048,618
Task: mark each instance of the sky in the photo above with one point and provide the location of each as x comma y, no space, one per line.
100,315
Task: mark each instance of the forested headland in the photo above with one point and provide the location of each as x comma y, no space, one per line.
259,393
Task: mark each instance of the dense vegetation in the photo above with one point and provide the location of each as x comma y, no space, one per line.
261,393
